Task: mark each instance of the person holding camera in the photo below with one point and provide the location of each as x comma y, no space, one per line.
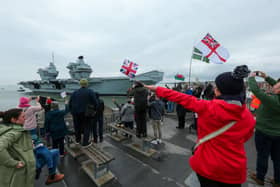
220,161
267,134
30,111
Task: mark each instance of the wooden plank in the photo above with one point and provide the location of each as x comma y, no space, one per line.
124,129
73,150
97,155
138,148
117,137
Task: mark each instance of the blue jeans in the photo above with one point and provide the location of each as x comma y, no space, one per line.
44,156
170,106
266,146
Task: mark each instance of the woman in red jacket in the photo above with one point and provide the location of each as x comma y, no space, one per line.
221,161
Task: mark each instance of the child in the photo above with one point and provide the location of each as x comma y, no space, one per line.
156,111
127,114
56,127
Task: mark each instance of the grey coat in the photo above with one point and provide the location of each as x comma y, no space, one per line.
127,112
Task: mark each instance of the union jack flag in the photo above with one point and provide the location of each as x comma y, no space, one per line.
129,68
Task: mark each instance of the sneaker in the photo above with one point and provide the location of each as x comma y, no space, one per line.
154,142
88,145
159,141
54,178
254,177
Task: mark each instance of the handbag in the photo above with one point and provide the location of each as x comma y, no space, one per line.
212,135
90,110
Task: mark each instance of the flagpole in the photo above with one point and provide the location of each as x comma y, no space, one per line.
190,68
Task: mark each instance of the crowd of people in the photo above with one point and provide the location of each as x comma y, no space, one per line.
222,118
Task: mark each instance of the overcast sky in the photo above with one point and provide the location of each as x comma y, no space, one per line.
156,34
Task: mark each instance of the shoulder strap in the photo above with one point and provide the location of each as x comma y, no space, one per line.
214,134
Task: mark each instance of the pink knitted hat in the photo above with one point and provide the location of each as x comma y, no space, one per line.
24,102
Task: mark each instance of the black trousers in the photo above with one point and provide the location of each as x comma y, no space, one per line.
181,120
82,126
267,146
141,122
59,143
204,182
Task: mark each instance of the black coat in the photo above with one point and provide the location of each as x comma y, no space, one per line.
55,124
79,100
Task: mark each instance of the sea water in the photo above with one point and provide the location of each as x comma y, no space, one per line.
9,98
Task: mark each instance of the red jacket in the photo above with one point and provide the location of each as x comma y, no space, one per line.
222,158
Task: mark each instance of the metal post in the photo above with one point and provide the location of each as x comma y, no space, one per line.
190,68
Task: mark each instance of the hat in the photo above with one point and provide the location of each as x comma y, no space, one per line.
54,105
227,85
24,102
231,83
83,83
49,101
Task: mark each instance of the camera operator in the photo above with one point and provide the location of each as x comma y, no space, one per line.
267,134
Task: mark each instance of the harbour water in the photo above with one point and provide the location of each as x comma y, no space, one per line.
9,97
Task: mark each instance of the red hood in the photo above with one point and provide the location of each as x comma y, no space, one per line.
228,111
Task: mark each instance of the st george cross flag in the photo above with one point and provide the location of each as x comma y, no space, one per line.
129,68
212,50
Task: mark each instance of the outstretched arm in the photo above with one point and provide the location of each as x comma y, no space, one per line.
188,101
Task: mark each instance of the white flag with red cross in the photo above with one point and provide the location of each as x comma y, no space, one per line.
212,50
129,68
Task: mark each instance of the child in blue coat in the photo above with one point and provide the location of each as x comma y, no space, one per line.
56,127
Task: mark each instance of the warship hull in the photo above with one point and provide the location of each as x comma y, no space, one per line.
102,85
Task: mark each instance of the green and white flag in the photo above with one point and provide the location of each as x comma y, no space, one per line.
197,55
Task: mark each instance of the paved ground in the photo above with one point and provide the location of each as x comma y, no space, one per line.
169,168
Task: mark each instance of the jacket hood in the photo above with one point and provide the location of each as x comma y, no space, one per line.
3,129
229,110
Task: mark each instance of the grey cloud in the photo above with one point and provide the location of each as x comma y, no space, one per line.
156,34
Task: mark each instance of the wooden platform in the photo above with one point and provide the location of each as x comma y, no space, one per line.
88,167
97,165
141,145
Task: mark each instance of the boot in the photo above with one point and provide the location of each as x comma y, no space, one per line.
54,178
258,181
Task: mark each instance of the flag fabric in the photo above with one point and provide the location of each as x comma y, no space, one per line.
212,50
179,77
63,94
129,68
197,55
